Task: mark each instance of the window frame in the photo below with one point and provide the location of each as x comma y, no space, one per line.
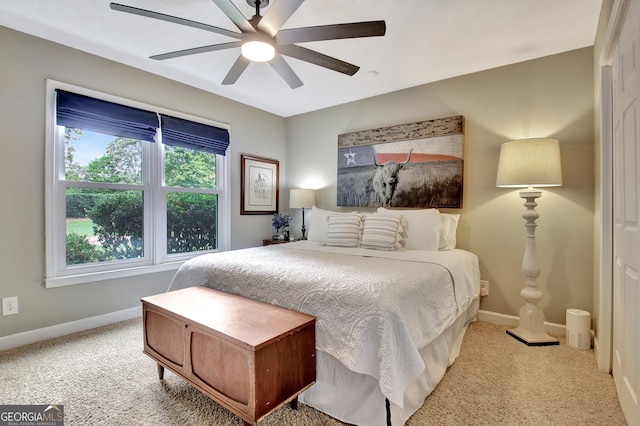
155,259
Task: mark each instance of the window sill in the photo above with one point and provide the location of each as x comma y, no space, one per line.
109,275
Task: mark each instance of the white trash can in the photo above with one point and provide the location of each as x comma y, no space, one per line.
578,328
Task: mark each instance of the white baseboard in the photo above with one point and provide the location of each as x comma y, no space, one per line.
19,339
32,336
513,321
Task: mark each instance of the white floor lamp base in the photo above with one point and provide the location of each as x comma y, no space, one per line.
530,338
531,331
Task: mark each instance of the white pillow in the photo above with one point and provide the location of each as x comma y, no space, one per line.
422,228
318,226
319,223
344,230
381,232
449,226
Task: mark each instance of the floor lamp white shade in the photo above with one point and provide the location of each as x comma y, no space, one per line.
530,163
302,199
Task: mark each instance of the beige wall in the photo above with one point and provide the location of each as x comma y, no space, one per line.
547,97
26,63
552,97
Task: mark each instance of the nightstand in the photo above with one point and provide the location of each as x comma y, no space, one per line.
270,242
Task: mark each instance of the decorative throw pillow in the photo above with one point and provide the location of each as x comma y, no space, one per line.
449,227
344,230
422,228
381,232
319,223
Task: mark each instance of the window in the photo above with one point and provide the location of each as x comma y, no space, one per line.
131,188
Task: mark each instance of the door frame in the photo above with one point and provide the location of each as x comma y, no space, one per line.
603,341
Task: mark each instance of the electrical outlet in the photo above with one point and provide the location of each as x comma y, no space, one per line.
484,288
10,305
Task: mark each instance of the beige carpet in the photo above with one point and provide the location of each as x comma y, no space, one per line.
103,378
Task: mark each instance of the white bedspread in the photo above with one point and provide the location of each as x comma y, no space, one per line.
375,310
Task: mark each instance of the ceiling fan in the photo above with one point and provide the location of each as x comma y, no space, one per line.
262,39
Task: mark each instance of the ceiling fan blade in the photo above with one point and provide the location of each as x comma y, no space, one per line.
236,70
196,50
235,15
285,71
277,14
318,58
331,32
173,19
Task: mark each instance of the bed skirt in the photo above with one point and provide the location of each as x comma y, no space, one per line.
356,398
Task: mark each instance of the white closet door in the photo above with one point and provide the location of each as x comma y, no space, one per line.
626,199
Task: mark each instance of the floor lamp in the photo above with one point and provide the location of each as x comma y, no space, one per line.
530,163
302,199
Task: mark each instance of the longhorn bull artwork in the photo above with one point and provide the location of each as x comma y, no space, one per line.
386,178
415,165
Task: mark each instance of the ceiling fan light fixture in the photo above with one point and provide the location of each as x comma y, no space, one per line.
258,50
257,38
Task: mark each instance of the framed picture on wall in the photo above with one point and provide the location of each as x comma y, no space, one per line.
260,185
413,165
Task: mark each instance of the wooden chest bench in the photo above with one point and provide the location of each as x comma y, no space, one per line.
248,356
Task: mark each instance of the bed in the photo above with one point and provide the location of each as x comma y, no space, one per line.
389,322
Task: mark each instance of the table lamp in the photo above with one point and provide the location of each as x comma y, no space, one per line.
302,199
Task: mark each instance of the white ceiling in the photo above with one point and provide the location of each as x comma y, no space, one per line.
426,41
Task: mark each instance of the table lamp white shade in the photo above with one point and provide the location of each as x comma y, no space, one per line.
529,163
302,198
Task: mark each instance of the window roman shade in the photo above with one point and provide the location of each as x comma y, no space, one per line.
85,112
192,135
